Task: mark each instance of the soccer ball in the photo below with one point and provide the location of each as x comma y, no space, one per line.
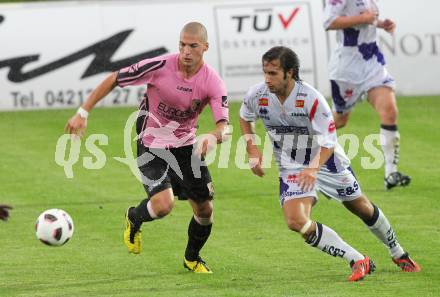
54,227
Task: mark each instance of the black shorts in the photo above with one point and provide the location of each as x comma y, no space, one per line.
174,168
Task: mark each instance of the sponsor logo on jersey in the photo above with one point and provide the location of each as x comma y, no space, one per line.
331,127
299,114
289,129
173,113
263,102
184,89
299,103
292,178
302,95
263,113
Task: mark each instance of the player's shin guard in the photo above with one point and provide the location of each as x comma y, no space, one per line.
142,213
381,228
389,140
328,241
198,233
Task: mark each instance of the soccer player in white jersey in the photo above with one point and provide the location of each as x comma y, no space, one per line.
180,85
357,70
301,127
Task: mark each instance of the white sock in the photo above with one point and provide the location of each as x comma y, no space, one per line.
389,141
328,241
381,228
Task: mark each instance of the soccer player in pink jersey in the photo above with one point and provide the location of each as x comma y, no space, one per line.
179,86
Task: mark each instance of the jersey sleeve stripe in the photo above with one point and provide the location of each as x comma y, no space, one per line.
313,110
127,77
126,73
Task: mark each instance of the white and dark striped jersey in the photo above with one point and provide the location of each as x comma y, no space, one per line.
298,127
356,58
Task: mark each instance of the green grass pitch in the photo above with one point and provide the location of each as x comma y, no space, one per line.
251,251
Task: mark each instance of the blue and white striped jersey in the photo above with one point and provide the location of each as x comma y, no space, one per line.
356,58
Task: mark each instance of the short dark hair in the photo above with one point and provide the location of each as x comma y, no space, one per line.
288,59
196,28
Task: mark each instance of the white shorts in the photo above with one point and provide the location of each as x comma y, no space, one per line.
345,95
341,186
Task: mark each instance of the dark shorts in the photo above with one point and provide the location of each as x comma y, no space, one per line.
174,168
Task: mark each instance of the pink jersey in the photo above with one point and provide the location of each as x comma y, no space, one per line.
173,102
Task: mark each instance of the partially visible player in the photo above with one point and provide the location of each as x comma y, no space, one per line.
301,127
180,85
4,212
357,70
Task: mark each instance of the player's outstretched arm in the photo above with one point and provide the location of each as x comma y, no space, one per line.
365,18
255,156
78,123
